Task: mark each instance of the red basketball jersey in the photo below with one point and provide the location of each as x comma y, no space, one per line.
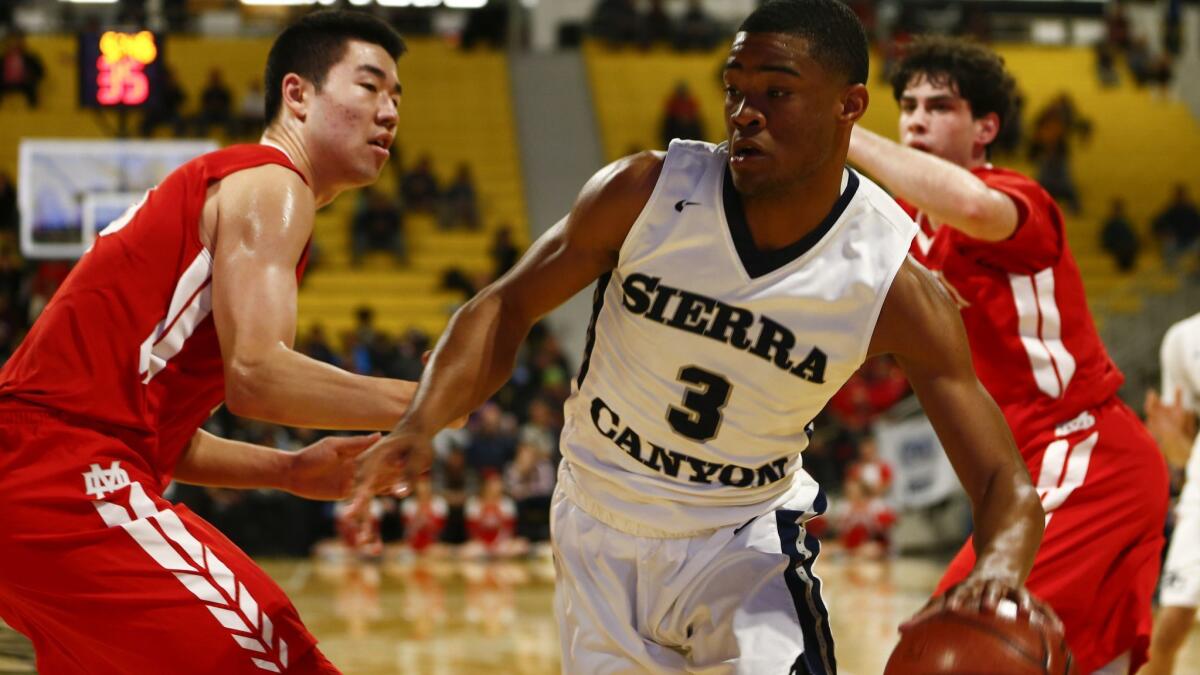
1033,341
128,341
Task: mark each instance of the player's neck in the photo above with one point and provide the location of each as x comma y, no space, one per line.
780,219
289,142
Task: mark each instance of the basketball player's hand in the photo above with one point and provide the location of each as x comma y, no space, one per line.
325,470
981,594
386,469
1171,425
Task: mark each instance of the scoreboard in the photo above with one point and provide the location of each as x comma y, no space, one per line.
119,70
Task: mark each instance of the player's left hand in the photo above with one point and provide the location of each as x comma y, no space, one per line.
325,469
983,594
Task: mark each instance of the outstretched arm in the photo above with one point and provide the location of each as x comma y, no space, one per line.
475,355
920,326
945,192
264,223
323,470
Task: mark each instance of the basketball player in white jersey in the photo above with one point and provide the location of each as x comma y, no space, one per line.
1172,421
739,286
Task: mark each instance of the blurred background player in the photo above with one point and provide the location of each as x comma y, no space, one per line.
1172,420
186,302
995,239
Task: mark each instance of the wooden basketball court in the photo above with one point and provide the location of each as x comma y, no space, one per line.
454,618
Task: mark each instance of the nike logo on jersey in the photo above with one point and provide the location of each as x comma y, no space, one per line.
739,328
670,462
682,203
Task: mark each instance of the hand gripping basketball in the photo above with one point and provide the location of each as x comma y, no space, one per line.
1006,637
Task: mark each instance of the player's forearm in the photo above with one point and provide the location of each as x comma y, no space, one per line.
286,387
473,359
946,193
219,462
1009,523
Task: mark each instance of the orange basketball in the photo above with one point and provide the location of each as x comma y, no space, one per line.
980,643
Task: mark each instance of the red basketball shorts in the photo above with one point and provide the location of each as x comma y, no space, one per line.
105,576
1103,484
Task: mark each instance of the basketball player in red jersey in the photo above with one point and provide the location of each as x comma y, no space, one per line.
185,302
996,240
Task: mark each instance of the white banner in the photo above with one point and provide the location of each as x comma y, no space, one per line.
923,475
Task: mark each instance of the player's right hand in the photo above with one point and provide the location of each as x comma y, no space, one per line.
387,468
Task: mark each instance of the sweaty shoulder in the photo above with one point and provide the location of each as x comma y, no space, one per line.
262,199
916,314
611,201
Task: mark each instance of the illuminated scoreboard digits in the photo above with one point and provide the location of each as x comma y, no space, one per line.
118,69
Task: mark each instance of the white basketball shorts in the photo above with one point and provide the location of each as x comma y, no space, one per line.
739,600
1181,572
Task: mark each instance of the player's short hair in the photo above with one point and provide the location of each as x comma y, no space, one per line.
974,71
312,45
834,34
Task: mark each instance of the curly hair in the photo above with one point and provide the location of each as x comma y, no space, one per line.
974,71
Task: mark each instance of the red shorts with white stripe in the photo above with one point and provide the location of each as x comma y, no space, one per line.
1103,484
105,576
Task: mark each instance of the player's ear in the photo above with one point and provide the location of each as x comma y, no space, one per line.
854,103
296,94
987,128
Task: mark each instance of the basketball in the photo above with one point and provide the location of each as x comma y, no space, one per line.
980,643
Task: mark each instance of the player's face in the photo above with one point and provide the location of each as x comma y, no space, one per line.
784,113
353,118
935,119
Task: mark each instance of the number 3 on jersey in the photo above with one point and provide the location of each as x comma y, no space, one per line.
700,417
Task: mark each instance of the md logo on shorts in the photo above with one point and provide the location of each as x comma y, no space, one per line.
99,482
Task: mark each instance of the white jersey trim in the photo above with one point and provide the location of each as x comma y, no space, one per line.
190,304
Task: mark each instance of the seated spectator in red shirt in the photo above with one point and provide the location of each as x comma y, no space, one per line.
20,70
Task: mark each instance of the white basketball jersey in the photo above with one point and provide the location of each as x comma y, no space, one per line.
707,359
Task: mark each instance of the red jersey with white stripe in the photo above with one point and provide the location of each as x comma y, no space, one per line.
1033,341
128,341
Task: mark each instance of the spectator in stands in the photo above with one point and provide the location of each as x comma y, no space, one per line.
491,522
1119,238
863,521
1054,129
656,26
1116,26
870,470
1106,64
20,70
681,116
166,106
543,428
1140,62
697,29
615,22
316,345
9,216
377,226
493,440
252,110
529,480
419,187
503,251
1177,227
457,482
216,104
1173,28
460,204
